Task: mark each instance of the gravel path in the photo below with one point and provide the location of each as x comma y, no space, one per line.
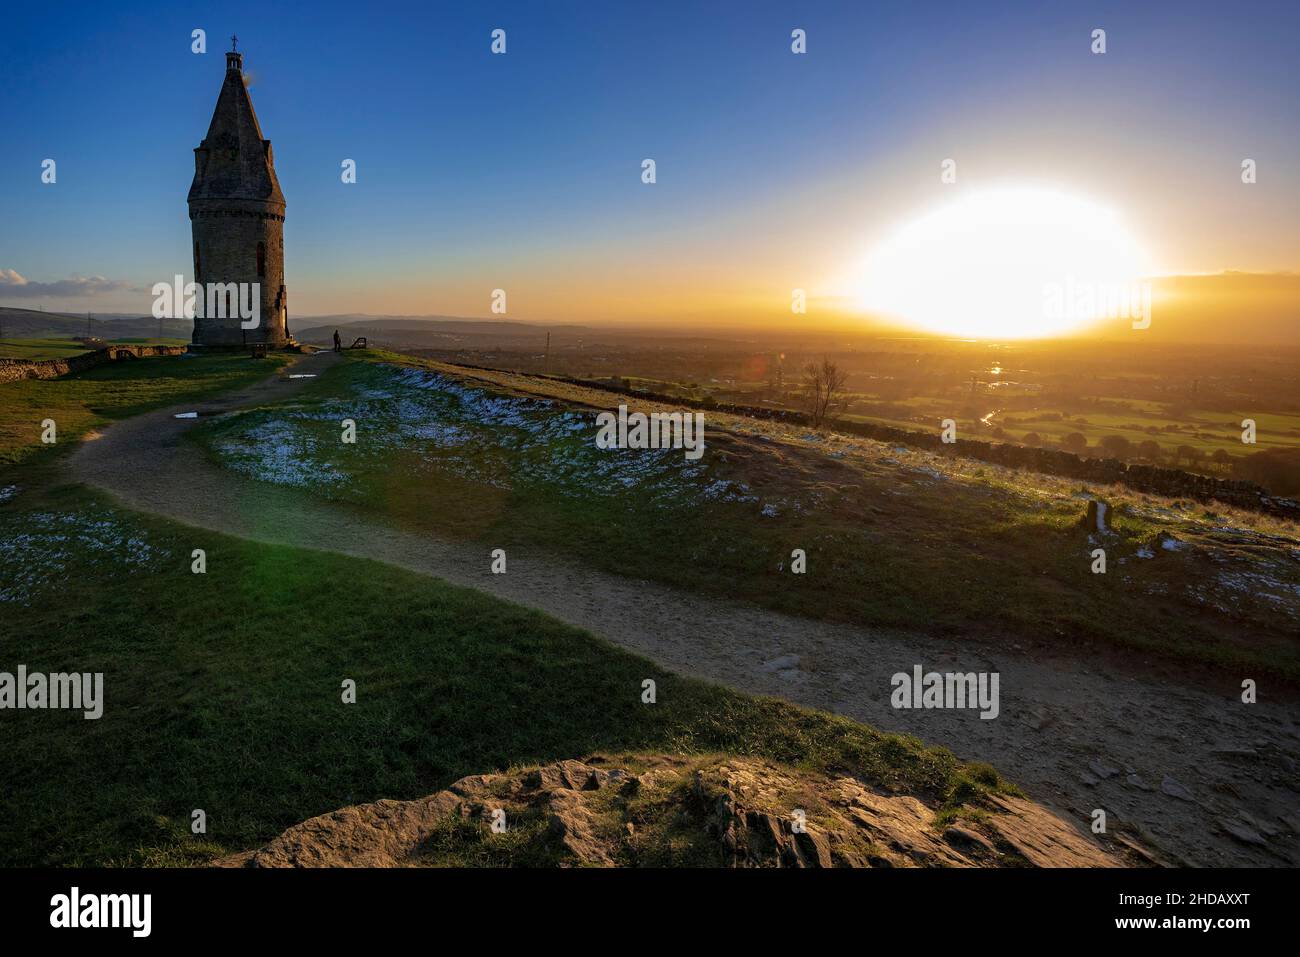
1203,778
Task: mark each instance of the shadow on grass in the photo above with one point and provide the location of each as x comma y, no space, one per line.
223,692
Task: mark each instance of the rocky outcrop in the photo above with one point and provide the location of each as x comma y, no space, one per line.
677,811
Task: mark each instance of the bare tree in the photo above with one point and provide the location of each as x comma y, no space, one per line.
823,384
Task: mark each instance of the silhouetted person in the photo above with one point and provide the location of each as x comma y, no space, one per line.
338,343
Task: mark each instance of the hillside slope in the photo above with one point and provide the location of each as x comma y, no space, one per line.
34,324
1172,755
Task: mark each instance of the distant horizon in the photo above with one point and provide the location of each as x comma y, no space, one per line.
1224,312
10,292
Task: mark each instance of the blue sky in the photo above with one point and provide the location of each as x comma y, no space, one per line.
523,170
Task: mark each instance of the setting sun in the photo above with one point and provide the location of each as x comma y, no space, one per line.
1004,263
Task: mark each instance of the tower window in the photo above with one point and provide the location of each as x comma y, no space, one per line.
261,259
198,265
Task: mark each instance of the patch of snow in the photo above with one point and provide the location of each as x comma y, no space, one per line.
38,549
494,439
276,452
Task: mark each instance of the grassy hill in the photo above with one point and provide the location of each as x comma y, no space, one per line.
223,689
37,349
34,324
116,390
893,536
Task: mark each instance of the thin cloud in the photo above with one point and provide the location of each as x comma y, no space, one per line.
14,285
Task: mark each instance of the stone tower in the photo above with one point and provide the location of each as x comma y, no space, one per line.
237,220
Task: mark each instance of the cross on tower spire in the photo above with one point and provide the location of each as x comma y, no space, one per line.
234,59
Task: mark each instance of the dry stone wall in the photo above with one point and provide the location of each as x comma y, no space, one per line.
11,370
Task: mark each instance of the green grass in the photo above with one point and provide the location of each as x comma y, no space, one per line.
117,390
979,552
62,348
222,692
40,348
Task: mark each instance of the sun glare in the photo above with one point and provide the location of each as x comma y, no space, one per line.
1011,262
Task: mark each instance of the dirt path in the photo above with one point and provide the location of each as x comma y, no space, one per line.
1203,778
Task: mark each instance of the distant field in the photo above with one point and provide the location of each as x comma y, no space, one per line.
59,348
81,402
1204,430
40,348
1010,418
894,537
151,341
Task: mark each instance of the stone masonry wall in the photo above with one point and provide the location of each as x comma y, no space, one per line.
225,236
11,370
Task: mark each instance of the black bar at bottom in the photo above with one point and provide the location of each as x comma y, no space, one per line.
332,906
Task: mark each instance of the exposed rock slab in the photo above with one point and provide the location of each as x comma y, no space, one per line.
676,811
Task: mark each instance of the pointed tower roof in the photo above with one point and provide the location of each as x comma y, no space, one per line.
234,161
